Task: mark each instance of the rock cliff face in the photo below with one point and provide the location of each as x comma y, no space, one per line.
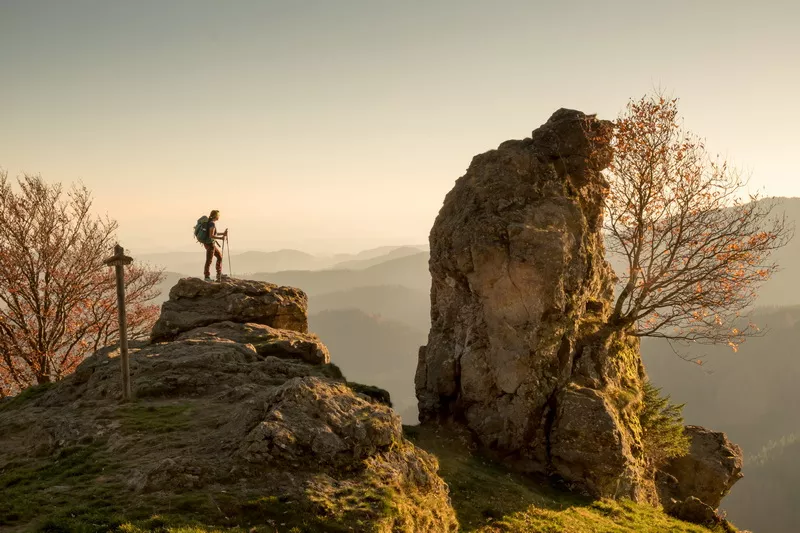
235,404
519,287
519,349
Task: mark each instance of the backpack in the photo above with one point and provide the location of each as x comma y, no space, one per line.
201,230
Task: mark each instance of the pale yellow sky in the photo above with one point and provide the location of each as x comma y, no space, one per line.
340,125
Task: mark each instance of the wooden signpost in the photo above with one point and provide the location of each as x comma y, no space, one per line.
118,261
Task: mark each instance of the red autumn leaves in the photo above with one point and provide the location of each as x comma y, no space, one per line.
695,250
57,299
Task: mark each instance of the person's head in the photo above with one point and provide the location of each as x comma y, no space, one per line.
214,215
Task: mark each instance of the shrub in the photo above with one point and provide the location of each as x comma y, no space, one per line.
663,435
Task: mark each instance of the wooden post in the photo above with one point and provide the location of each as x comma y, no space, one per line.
118,261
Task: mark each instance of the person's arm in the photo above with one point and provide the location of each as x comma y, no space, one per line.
213,233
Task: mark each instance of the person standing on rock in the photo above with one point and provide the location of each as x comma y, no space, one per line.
212,250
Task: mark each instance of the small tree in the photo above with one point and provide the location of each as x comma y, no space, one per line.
57,299
663,434
695,251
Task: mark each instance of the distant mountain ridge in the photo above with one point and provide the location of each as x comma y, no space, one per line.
374,350
410,271
362,263
191,263
392,302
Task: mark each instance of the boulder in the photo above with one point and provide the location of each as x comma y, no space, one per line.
307,417
707,473
587,446
195,303
267,341
520,292
693,510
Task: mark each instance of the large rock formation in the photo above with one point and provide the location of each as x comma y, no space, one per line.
266,340
236,407
520,349
519,287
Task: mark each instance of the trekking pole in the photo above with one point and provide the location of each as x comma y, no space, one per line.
230,272
223,248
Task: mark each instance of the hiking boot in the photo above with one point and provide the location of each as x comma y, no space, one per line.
207,278
219,277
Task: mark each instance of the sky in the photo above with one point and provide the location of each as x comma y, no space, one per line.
339,125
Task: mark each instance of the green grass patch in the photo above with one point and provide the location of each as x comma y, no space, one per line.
489,498
27,395
74,486
39,500
209,511
150,418
376,393
78,491
601,516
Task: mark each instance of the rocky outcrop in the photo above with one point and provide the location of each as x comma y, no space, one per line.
266,340
707,473
591,447
307,417
693,510
195,303
519,289
239,407
521,350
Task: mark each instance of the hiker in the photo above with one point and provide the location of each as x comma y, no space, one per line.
212,250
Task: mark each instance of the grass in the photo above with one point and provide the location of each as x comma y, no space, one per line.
78,489
25,396
154,418
44,492
376,393
602,516
73,493
207,511
84,489
490,499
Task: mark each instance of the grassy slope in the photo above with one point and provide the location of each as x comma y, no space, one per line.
489,499
75,491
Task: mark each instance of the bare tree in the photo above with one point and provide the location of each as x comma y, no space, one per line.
696,251
57,299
